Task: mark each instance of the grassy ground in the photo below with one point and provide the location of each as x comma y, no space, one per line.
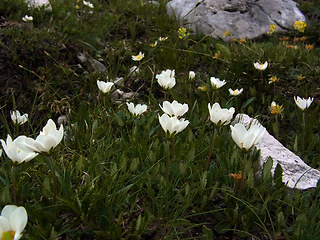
119,177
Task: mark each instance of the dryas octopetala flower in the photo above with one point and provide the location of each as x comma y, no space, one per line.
138,109
275,108
154,44
13,220
88,4
174,109
216,83
161,39
104,87
48,138
192,75
172,125
17,118
246,139
220,116
303,103
138,57
133,71
235,92
261,66
17,150
166,79
27,18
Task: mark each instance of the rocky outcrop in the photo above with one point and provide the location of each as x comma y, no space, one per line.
296,173
243,18
39,3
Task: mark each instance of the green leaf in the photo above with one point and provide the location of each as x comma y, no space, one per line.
134,165
207,233
250,100
278,176
266,171
224,51
204,179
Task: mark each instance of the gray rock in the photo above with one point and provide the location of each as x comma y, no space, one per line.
296,173
39,3
243,18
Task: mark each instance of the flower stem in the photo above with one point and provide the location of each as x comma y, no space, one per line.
303,129
54,180
277,127
262,81
211,147
13,181
243,174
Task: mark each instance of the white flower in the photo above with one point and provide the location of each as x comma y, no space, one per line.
244,138
134,71
27,18
166,79
138,57
13,220
220,116
18,151
261,66
17,118
138,109
161,39
235,92
105,87
174,109
88,4
216,83
154,44
48,138
303,103
192,75
173,125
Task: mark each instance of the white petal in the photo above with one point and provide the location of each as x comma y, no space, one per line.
18,220
4,224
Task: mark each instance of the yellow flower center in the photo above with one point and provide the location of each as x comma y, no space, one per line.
8,235
241,145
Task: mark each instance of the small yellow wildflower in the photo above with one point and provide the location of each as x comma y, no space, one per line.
226,33
300,77
237,176
275,108
273,29
273,79
295,47
182,33
284,40
217,55
77,7
309,47
299,26
242,40
303,38
203,88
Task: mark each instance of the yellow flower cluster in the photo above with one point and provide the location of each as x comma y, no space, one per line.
276,109
182,33
299,26
273,29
